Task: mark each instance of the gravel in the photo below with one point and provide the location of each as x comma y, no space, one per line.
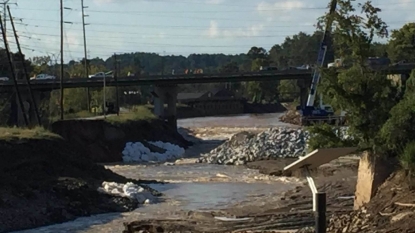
246,147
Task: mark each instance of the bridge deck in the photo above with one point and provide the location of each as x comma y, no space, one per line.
182,79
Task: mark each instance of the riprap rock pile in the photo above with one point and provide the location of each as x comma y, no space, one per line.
272,143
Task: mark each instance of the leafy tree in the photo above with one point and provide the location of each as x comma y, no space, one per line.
40,60
366,96
257,53
379,50
260,90
40,64
231,67
300,49
402,44
398,130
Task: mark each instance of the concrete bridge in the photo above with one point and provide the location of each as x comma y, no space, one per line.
47,85
165,86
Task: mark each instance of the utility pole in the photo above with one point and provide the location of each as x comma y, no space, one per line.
116,75
162,63
104,96
5,4
5,16
19,97
85,55
61,81
34,104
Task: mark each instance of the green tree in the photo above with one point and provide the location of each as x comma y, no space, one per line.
40,64
257,53
366,96
261,90
398,131
402,44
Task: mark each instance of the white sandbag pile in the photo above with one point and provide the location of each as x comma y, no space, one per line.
137,152
129,190
272,143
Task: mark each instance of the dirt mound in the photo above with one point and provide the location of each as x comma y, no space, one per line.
291,117
50,181
105,142
391,210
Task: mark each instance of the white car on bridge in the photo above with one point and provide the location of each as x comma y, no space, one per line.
43,77
101,75
4,79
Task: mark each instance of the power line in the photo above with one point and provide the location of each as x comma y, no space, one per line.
224,5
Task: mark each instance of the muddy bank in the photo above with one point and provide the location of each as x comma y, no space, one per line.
391,210
289,211
103,142
47,181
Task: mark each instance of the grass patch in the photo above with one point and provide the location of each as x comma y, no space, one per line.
137,113
7,134
77,115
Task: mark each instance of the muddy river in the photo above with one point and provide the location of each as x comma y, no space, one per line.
192,186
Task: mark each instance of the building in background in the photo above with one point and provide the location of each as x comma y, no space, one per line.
214,102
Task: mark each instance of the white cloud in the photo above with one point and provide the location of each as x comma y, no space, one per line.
282,9
214,31
162,35
254,30
215,2
100,2
266,7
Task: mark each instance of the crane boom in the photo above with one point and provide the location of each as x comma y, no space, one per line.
321,57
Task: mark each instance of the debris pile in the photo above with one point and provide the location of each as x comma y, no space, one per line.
291,117
391,210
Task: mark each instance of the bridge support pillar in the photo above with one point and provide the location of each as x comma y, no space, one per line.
29,110
166,94
303,85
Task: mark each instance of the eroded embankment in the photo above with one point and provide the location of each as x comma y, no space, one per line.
104,141
46,181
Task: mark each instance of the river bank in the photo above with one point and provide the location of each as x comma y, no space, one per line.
288,210
199,196
46,180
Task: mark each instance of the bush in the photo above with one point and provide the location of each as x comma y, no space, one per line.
326,136
407,157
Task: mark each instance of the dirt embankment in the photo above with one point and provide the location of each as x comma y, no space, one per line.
46,181
104,141
391,210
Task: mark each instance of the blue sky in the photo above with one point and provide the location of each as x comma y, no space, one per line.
173,26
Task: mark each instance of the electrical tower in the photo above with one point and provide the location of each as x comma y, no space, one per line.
85,53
